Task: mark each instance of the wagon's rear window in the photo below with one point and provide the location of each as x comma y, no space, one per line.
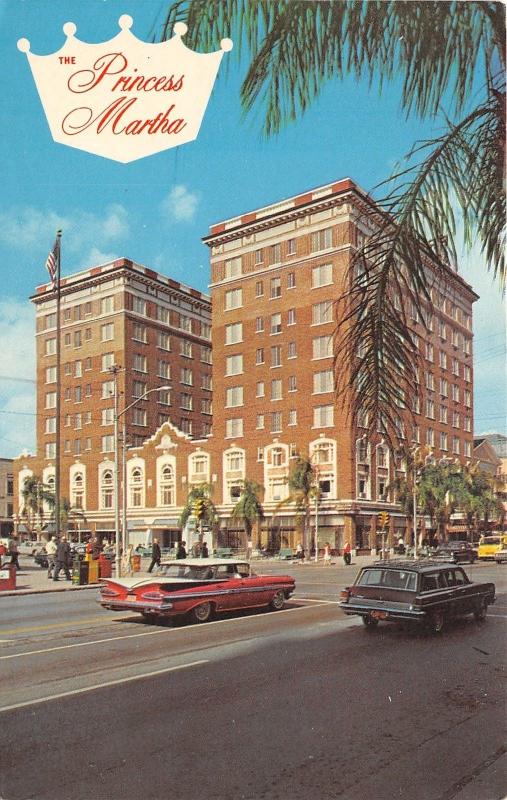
388,578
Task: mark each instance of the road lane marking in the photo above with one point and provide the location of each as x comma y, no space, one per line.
145,633
103,685
53,625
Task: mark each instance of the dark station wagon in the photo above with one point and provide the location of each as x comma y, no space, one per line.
421,591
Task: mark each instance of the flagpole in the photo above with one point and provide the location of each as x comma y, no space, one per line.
58,388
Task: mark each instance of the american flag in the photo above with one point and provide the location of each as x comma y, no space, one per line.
52,261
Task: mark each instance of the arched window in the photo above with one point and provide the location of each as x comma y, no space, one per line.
106,489
77,490
382,456
167,485
235,461
323,453
136,487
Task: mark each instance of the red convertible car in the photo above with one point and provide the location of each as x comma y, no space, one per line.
197,587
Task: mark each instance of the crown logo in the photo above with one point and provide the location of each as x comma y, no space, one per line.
124,99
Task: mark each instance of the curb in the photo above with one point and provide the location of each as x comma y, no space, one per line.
19,592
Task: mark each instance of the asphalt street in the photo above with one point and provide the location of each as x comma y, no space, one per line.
261,706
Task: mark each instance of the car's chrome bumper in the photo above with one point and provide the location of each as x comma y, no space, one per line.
122,605
391,611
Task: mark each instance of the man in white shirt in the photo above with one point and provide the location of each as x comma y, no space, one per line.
51,553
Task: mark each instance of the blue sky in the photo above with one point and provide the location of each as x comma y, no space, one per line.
156,210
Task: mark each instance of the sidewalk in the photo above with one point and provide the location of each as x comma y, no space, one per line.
31,579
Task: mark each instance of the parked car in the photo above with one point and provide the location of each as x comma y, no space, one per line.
456,552
501,555
28,548
141,550
421,591
490,545
197,588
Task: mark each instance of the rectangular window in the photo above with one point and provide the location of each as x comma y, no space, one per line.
233,299
276,356
291,247
429,351
107,304
233,428
455,419
139,332
323,381
260,454
139,363
108,444
275,288
322,347
259,422
293,417
78,369
186,376
467,424
322,312
233,268
50,347
164,397
321,240
442,358
292,350
51,375
276,422
259,289
139,305
138,388
455,393
275,254
291,280
186,401
88,334
291,316
276,324
50,449
292,383
234,396
206,406
322,275
67,314
455,445
163,369
430,409
77,339
185,324
467,449
430,381
259,389
206,331
162,314
67,339
443,441
88,390
443,415
107,332
259,256
163,340
186,348
234,364
323,416
234,333
78,422
259,355
276,389
87,363
206,382
50,400
78,394
206,355
444,386
107,361
259,325
430,437
455,367
468,398
107,416
50,425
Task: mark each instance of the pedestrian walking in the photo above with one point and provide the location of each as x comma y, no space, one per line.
96,548
300,553
13,551
347,557
327,554
181,552
156,555
127,565
63,559
204,550
51,549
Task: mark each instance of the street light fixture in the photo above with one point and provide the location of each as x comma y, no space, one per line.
117,416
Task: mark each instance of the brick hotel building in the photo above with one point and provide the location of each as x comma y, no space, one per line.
158,332
275,274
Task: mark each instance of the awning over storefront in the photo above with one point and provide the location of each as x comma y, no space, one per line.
165,523
135,524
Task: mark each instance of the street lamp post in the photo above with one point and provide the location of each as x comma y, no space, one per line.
117,415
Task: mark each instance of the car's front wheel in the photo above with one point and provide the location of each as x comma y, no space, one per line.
202,613
369,621
437,621
278,601
481,610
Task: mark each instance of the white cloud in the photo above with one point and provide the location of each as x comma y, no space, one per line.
17,371
26,227
180,205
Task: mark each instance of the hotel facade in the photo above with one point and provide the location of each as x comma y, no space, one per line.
276,273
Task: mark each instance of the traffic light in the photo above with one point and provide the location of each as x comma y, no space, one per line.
199,508
383,519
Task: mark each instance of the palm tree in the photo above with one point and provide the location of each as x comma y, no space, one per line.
248,509
35,494
441,50
69,515
303,486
